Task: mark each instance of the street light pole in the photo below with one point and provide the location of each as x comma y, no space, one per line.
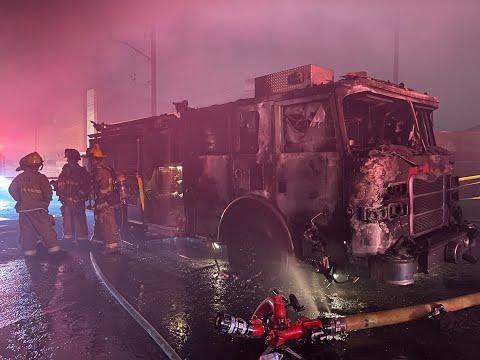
153,66
396,53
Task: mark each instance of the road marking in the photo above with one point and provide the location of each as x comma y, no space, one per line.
467,178
470,184
128,243
164,345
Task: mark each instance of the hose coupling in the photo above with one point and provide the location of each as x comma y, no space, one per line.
438,309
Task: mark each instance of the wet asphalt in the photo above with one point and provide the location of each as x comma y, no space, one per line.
64,312
60,312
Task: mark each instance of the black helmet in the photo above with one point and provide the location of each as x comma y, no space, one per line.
72,154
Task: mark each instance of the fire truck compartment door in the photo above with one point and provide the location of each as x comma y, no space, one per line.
307,184
207,192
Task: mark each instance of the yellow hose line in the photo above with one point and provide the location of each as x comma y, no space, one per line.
472,198
140,190
467,178
401,315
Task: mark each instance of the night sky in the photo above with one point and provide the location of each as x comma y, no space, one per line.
52,51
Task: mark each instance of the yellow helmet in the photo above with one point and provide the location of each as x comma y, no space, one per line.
95,152
33,160
21,164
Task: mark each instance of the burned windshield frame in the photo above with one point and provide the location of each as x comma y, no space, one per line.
424,116
308,127
372,120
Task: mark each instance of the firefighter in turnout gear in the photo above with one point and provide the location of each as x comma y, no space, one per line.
33,194
106,229
73,188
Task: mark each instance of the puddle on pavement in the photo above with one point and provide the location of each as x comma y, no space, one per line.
181,297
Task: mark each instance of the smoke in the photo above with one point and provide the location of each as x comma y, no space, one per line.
52,51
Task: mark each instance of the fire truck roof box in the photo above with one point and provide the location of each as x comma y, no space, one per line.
297,78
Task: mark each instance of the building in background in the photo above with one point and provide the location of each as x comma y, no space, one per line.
53,139
91,116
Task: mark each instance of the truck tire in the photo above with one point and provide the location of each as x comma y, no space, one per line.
257,236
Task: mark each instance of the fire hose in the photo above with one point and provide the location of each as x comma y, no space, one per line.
161,342
270,320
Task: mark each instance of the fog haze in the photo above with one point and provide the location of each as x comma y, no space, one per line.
51,52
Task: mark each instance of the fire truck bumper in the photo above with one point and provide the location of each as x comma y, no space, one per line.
440,248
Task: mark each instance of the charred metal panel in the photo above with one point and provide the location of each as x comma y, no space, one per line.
164,197
308,168
126,155
207,167
353,85
308,185
253,150
248,176
297,78
375,181
308,127
208,194
122,151
368,192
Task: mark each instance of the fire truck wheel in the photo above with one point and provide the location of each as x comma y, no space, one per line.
249,255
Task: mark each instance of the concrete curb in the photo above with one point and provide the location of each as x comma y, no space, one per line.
164,345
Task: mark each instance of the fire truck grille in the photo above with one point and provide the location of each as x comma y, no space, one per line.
427,203
423,204
426,222
421,187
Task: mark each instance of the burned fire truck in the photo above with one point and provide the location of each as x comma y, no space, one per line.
342,174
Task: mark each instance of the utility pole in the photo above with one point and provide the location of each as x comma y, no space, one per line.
396,53
153,65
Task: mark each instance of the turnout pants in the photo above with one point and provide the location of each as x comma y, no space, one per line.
33,224
74,220
106,229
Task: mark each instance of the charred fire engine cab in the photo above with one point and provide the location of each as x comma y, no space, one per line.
342,174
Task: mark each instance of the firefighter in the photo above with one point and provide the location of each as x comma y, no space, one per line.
106,229
33,194
73,188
